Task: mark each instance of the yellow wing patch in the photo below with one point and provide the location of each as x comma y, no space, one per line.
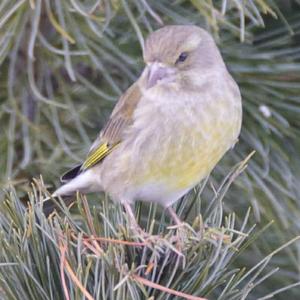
97,155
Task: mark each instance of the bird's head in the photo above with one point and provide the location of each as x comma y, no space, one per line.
178,55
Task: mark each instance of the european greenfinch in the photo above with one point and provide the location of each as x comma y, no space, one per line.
169,129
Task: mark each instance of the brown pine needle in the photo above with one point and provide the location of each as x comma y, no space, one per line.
96,251
64,264
115,241
149,268
63,250
88,215
164,289
77,281
110,240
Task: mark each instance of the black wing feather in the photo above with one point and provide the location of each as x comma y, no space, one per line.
71,174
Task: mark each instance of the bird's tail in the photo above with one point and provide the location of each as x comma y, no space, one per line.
84,182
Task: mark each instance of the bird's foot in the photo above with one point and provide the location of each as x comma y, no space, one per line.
183,229
181,234
179,239
145,237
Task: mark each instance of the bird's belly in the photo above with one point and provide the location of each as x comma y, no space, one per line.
172,173
189,156
182,166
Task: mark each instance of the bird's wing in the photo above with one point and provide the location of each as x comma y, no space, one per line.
111,135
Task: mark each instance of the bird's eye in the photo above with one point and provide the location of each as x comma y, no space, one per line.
182,57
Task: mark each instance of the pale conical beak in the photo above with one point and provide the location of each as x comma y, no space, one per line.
157,72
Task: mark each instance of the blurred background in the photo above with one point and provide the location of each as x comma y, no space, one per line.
65,63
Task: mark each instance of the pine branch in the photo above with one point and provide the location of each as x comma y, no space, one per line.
94,253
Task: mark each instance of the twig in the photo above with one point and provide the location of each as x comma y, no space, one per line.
164,289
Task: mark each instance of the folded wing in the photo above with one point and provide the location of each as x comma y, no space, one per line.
112,134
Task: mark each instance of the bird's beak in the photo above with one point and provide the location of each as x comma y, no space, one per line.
158,72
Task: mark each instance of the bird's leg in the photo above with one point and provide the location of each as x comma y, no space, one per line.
133,223
177,221
136,228
174,216
180,233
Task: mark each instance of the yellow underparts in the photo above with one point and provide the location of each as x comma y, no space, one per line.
182,166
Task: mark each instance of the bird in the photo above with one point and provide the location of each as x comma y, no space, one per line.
169,129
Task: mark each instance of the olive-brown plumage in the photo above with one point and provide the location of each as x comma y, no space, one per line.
170,128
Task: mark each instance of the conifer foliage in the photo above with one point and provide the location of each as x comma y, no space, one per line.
63,64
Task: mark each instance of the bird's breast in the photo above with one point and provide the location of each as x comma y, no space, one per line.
185,138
